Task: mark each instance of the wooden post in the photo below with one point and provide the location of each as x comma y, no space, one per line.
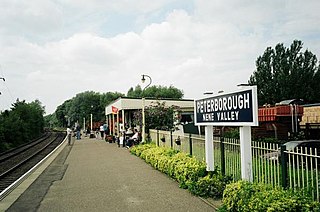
209,148
246,156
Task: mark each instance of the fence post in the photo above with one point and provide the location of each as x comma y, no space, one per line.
190,144
223,162
307,131
284,169
157,137
171,141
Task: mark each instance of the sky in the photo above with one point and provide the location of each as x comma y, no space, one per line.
51,50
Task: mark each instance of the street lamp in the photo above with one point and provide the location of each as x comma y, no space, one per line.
143,133
1,78
91,117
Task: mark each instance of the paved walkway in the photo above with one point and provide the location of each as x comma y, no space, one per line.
93,175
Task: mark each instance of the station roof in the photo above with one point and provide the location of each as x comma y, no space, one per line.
128,103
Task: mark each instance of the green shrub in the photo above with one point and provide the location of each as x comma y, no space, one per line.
136,150
186,170
245,196
212,185
232,133
237,195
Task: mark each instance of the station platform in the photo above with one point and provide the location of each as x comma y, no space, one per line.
93,175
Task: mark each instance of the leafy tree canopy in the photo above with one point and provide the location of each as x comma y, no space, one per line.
90,102
81,106
23,122
156,92
287,73
158,116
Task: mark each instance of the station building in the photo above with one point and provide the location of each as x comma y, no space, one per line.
120,112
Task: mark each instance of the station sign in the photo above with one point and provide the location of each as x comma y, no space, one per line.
114,109
238,108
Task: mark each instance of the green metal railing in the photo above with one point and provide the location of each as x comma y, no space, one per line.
298,169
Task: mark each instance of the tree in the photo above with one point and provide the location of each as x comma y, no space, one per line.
286,73
21,124
51,120
61,113
156,92
158,116
135,93
82,105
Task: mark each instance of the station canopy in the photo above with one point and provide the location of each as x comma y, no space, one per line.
127,103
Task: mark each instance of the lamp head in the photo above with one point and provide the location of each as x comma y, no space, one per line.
143,79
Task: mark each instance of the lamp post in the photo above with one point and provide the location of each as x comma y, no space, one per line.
91,117
1,78
143,133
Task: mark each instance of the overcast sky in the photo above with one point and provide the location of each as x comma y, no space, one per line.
51,50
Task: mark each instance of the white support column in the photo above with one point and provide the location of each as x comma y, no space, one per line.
118,124
110,124
246,155
113,125
123,119
209,147
91,122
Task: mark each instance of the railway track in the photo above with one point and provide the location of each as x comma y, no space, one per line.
16,163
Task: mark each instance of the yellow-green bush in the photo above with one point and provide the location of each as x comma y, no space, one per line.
190,173
245,196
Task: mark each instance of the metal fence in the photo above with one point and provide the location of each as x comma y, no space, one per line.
295,169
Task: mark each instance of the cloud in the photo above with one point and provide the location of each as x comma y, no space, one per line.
39,19
56,49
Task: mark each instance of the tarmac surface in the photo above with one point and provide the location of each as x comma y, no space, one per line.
93,175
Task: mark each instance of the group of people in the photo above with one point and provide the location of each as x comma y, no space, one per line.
134,139
129,137
104,131
77,132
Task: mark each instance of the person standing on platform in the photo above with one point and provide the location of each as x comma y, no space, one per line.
69,132
105,129
78,129
102,131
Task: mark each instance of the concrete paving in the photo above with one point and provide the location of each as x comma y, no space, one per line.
93,175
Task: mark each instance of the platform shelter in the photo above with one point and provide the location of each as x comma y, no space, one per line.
120,112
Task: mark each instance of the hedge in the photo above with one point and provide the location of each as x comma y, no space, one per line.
245,196
190,173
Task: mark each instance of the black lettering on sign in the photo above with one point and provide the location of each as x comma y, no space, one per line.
228,108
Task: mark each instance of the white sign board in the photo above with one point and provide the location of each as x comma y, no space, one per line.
238,108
